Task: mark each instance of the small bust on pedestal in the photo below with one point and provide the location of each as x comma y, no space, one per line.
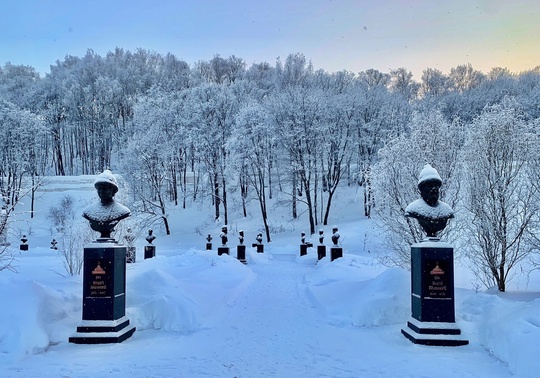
105,214
321,248
208,242
241,237
335,251
321,237
223,235
335,236
241,248
150,250
304,245
24,246
431,214
259,244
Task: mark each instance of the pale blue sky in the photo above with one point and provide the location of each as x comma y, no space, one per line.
334,34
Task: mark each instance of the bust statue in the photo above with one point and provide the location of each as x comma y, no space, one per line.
150,237
431,214
241,237
223,236
105,214
335,235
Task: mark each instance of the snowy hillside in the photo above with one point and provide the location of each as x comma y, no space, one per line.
202,315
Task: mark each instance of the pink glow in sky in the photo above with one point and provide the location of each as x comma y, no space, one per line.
335,35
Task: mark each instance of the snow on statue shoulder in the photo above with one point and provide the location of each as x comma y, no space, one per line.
431,214
105,214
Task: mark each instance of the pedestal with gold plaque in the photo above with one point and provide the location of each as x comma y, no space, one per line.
432,319
104,295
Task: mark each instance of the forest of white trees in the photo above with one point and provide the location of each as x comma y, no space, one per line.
218,129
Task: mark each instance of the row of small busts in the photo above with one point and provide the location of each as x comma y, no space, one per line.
130,237
335,237
224,237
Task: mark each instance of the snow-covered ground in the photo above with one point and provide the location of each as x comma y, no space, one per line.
281,315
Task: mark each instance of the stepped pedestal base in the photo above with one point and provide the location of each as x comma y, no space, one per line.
433,333
103,331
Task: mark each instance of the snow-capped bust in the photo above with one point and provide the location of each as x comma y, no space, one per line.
223,236
335,235
105,214
432,214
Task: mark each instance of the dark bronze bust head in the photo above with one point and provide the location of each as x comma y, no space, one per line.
431,214
105,214
429,191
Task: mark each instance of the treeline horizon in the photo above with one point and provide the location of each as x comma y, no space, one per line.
144,114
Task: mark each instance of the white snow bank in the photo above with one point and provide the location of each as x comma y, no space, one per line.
346,291
35,318
177,294
507,329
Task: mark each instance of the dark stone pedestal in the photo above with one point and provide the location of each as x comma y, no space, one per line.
321,252
149,251
336,253
131,255
241,253
432,296
222,250
208,246
104,295
260,247
24,247
304,247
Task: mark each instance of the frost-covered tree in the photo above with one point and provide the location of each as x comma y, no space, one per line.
378,115
501,202
7,255
20,131
252,148
296,72
374,79
209,116
401,82
17,84
465,77
151,157
337,128
220,70
63,214
434,83
71,242
297,115
431,140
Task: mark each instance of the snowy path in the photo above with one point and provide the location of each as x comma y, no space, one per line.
264,330
273,327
